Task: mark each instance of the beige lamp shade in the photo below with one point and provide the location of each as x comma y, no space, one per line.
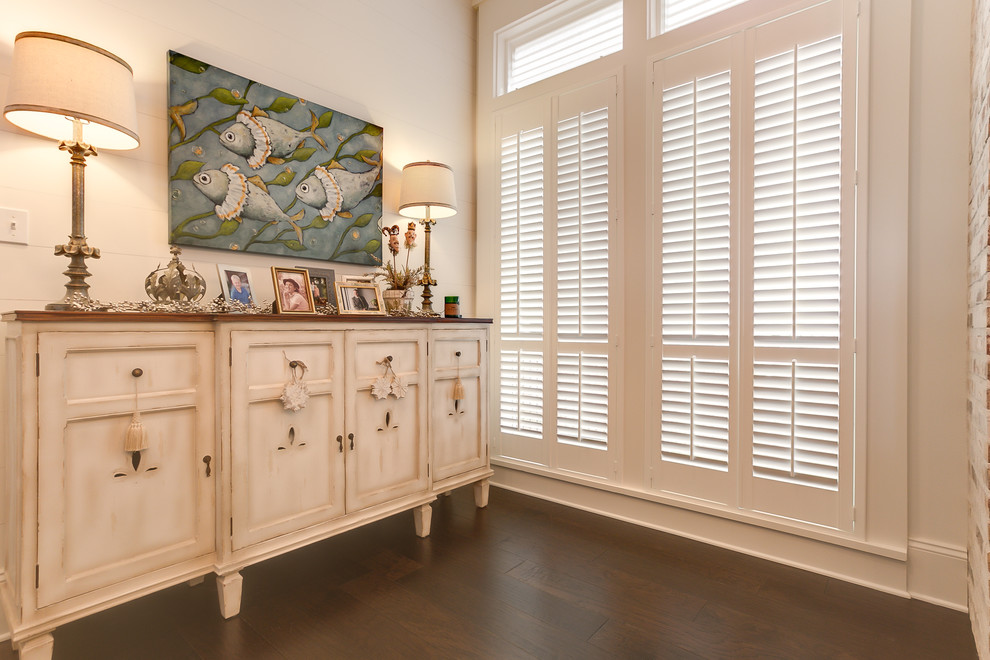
56,77
427,191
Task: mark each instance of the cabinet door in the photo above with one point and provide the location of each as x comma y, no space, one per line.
287,467
386,443
104,514
457,425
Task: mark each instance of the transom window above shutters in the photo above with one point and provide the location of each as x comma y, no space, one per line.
672,14
563,36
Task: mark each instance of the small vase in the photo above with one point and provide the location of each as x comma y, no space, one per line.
398,300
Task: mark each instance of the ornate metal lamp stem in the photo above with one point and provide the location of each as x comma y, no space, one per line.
76,289
428,280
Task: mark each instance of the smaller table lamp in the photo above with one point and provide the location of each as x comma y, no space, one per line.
59,87
428,193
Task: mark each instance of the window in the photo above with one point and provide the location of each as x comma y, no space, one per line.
565,35
756,363
556,198
675,13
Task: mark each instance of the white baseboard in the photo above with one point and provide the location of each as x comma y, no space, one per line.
937,573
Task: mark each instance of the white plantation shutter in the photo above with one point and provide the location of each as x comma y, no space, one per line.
582,227
755,284
521,282
582,399
695,412
521,392
693,114
558,41
556,187
796,187
796,423
521,231
675,13
695,210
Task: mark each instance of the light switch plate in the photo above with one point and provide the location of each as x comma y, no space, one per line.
14,226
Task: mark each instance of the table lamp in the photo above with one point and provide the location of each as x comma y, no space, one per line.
59,88
427,193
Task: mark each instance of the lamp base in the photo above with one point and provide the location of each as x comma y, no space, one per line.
76,289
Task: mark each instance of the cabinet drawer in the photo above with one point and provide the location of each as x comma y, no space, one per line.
96,370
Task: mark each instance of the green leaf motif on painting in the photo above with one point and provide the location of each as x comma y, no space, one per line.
376,191
319,222
226,97
302,154
371,129
372,246
294,245
282,104
325,119
187,170
283,179
188,63
366,154
228,227
363,220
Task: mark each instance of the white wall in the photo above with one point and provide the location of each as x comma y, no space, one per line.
914,475
407,65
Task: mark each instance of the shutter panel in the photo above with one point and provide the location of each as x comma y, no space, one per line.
796,423
695,412
536,57
797,197
521,222
695,211
582,399
582,227
521,392
676,13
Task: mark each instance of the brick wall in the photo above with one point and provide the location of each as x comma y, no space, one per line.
979,339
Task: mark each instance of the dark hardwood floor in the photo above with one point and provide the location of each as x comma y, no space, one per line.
523,578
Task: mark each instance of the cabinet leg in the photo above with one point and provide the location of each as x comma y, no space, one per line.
481,493
36,648
423,515
229,590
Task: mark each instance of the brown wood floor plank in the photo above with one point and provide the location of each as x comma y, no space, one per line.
523,578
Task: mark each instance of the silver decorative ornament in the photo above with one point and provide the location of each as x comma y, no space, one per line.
175,282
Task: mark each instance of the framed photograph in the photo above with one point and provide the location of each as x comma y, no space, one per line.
359,298
293,294
235,284
321,281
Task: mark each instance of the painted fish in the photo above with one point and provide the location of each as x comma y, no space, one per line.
238,197
334,190
261,139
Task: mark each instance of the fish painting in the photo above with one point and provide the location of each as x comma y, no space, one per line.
261,139
256,169
238,197
334,190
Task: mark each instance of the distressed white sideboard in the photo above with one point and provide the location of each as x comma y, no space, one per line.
396,414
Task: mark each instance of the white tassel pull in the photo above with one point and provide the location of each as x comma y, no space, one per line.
459,394
137,436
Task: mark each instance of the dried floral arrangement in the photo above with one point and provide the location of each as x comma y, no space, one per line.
399,276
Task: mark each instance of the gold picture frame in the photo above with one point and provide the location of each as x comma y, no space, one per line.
293,291
353,298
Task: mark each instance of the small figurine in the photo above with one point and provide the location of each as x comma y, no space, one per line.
393,238
411,236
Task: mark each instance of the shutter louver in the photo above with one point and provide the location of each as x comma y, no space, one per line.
796,423
695,412
582,399
797,197
521,221
582,227
676,13
695,211
521,392
594,35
